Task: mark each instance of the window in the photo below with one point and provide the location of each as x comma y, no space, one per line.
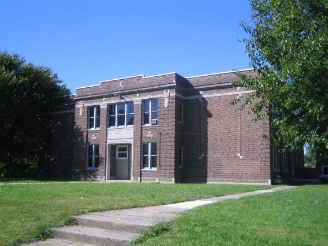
149,111
180,157
181,112
122,152
275,157
120,114
285,161
93,156
149,155
94,117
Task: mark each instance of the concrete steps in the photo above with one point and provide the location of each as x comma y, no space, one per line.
121,227
117,227
94,236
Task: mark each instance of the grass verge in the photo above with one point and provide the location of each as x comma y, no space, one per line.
29,209
293,217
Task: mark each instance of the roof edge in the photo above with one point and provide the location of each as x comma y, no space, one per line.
211,74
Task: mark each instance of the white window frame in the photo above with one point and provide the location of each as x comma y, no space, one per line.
149,156
126,113
94,156
118,152
95,117
150,111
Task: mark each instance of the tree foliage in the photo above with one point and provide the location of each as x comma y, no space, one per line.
310,159
27,96
288,47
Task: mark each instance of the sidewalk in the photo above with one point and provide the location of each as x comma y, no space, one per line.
121,227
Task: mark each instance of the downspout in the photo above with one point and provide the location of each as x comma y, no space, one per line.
159,149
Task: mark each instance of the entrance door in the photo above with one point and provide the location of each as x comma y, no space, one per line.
122,162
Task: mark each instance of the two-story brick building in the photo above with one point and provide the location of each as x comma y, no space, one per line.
169,128
164,128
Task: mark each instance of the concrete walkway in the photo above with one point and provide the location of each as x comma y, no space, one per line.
121,227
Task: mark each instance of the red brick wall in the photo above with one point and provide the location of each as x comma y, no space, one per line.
237,151
221,143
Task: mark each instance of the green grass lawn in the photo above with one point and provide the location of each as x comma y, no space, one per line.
293,217
28,208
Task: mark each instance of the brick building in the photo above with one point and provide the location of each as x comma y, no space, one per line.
169,128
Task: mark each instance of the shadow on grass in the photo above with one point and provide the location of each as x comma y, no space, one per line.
27,180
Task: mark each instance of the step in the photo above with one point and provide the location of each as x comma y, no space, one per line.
94,236
111,223
56,242
133,220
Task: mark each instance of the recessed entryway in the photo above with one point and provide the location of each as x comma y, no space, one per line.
119,163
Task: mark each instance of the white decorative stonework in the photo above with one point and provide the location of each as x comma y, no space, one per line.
119,135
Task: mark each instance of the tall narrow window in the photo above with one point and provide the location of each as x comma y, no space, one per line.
275,157
180,157
149,155
94,117
285,161
149,111
93,156
120,114
181,113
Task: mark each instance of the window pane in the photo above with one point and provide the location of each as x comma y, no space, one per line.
90,161
129,119
146,105
122,149
92,111
130,108
96,150
145,162
96,161
154,104
120,108
153,162
111,110
146,118
120,120
153,149
111,121
91,122
122,155
154,115
98,121
97,108
145,149
90,150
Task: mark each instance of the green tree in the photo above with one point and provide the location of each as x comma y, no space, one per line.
288,47
27,95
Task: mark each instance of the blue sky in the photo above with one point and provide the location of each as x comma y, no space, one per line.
88,41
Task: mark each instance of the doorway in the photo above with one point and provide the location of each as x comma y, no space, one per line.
122,163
